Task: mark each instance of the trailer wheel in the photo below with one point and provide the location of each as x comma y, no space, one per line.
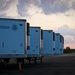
41,59
20,63
29,60
6,61
35,60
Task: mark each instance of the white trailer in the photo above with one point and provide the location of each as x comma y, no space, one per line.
61,44
58,44
34,52
13,36
47,42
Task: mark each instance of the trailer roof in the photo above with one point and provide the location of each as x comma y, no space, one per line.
12,19
57,33
34,27
48,30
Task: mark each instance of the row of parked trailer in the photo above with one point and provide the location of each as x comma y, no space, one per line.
21,41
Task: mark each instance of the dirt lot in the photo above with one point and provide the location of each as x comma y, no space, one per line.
53,65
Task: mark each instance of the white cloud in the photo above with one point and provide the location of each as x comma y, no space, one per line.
12,10
65,30
68,33
69,39
8,7
25,5
48,6
32,10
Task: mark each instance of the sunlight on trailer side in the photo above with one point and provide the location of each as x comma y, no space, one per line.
35,39
47,43
59,44
12,38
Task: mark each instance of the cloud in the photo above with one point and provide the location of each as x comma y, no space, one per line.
68,33
7,7
5,16
73,5
65,30
31,7
57,6
47,6
69,39
25,6
54,6
5,4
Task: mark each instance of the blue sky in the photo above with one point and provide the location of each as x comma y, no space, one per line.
57,15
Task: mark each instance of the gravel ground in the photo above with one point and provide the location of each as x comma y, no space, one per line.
53,65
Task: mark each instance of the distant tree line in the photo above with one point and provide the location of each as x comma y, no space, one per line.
69,50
